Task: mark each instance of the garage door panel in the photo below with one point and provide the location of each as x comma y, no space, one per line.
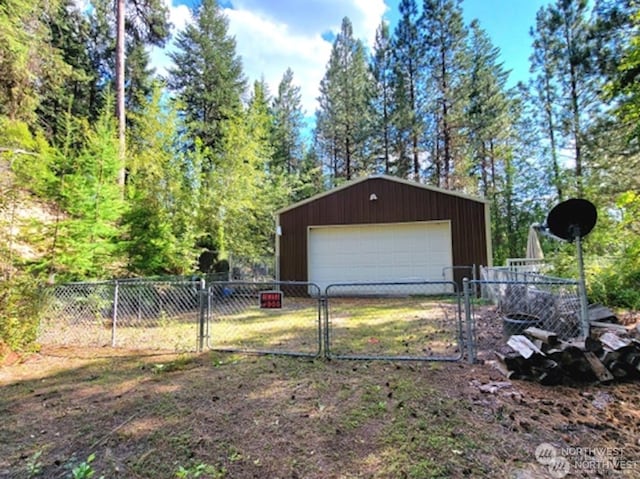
379,253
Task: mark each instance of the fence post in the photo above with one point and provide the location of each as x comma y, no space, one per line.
201,303
325,323
114,317
471,352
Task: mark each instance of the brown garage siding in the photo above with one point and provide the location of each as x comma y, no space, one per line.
398,202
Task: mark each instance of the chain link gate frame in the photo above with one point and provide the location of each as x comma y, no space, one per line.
234,320
394,321
191,314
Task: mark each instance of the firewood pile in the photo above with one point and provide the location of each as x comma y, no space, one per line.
611,352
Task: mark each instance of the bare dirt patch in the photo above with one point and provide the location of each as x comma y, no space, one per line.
145,415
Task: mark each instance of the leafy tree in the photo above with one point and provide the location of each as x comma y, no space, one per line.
160,224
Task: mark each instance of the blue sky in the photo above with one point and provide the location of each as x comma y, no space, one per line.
272,35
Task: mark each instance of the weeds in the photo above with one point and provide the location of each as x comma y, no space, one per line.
34,466
84,470
201,470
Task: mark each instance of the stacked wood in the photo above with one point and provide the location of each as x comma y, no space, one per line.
611,352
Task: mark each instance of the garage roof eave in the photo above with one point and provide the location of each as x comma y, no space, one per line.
384,177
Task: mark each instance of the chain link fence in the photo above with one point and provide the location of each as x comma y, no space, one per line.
264,317
394,321
135,314
505,302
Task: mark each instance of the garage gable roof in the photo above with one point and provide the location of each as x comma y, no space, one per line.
387,178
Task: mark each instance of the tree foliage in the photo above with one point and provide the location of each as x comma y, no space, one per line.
209,161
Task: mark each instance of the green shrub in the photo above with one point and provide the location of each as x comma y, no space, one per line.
20,306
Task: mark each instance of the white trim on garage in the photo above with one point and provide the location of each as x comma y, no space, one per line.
387,252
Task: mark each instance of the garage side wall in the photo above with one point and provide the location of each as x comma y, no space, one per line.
396,203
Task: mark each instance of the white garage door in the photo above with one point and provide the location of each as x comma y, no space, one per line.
379,253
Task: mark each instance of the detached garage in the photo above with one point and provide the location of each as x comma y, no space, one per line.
382,229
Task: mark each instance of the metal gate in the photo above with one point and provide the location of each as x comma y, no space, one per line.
417,321
268,317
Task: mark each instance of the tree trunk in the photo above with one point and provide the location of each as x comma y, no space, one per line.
120,92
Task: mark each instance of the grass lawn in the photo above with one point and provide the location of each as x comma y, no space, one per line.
228,415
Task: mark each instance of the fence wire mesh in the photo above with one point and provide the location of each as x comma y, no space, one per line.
133,314
510,301
395,321
243,316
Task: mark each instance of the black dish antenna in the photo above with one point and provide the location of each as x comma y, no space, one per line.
571,221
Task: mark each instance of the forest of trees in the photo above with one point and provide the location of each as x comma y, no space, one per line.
208,155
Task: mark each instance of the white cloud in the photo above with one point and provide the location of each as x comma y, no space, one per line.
273,35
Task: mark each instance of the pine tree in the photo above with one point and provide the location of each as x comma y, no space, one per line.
85,244
408,113
546,95
207,75
486,110
382,99
344,115
288,121
564,56
444,36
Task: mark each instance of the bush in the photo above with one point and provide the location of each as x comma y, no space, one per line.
20,306
617,285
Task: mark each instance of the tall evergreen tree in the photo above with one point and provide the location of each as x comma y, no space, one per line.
382,99
568,58
344,115
486,110
408,78
160,223
85,245
29,64
207,74
546,96
444,36
288,121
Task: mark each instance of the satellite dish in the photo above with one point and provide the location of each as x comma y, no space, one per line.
571,219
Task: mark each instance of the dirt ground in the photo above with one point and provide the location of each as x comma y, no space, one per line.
215,415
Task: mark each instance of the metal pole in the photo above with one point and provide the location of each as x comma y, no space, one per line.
201,301
114,317
584,313
467,315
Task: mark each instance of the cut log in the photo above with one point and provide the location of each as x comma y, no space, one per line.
609,326
547,337
512,362
523,346
601,372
